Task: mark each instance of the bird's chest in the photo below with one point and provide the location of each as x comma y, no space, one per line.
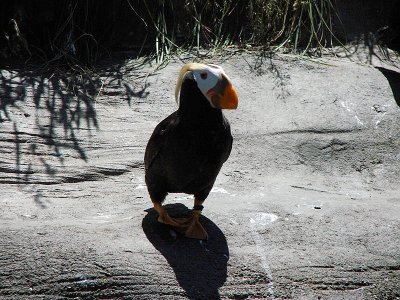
197,144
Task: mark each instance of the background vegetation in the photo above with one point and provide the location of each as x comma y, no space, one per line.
84,31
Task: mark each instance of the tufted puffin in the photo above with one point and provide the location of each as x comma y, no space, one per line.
187,149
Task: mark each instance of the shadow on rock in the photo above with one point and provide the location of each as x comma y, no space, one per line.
393,78
200,267
46,112
48,117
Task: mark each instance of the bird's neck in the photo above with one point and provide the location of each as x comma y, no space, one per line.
194,108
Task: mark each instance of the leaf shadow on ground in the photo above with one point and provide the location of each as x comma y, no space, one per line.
200,267
58,102
265,63
48,116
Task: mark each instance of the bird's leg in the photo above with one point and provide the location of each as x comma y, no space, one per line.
163,216
195,229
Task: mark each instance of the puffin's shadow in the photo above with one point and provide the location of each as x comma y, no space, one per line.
200,267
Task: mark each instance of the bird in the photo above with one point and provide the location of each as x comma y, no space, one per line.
188,148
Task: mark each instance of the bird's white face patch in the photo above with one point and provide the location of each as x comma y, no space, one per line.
213,83
207,78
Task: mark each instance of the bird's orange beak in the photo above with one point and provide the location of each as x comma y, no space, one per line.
223,95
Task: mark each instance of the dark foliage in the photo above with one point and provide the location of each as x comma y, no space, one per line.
85,30
68,32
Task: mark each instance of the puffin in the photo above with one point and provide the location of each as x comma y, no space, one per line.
188,148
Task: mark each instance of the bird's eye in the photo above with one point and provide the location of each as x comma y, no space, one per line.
203,75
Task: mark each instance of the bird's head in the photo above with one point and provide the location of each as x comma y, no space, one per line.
212,82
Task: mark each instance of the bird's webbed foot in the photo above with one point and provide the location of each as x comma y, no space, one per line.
191,226
195,230
165,218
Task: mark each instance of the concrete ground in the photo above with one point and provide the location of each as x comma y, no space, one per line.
306,207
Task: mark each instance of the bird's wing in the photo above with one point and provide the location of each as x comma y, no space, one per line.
157,139
229,140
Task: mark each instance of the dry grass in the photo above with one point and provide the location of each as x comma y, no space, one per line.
76,32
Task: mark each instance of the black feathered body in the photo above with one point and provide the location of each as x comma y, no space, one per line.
187,149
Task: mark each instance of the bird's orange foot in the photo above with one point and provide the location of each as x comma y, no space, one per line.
176,222
164,217
195,229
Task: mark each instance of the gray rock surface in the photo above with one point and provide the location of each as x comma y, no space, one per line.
307,206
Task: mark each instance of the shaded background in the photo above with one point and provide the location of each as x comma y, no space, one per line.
88,30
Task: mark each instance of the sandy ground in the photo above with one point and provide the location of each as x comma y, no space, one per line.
306,207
